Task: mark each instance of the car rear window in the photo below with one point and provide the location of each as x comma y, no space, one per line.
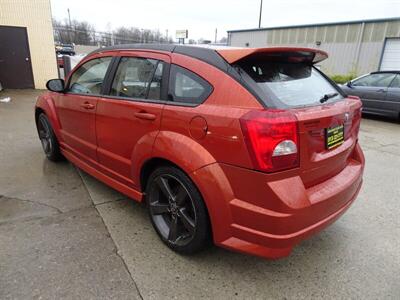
289,84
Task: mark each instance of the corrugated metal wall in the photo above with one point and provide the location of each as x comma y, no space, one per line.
352,48
35,15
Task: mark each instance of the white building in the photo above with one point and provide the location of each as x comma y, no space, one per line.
356,47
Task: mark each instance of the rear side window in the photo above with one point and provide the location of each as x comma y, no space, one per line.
88,78
396,82
375,80
187,87
289,84
139,78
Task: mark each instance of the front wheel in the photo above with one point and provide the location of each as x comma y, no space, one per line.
177,210
48,139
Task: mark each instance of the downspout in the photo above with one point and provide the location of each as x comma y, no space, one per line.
358,51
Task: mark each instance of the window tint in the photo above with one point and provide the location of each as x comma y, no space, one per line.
187,87
155,85
88,78
289,84
396,82
134,78
375,80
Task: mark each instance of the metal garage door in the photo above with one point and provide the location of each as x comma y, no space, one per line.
391,55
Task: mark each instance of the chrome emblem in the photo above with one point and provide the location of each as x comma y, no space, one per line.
346,117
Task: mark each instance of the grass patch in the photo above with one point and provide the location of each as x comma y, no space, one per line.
340,79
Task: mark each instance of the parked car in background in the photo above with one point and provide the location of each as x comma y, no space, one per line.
379,92
252,148
65,49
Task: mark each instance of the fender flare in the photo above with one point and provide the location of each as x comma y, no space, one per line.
201,167
179,149
46,103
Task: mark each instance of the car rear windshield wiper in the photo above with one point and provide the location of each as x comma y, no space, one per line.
326,97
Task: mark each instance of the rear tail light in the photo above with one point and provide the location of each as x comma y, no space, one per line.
272,139
352,126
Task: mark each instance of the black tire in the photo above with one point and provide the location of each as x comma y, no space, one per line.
173,201
48,139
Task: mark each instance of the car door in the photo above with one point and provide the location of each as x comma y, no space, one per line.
76,108
128,118
393,96
372,90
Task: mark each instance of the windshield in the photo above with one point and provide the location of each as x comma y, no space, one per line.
290,84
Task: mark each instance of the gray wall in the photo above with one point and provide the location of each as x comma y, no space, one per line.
84,49
352,48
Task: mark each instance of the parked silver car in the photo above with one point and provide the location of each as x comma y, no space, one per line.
379,92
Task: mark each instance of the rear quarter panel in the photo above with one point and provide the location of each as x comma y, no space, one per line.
180,137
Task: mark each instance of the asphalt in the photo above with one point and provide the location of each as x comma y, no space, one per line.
63,234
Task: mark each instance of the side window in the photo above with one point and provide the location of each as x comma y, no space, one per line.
187,87
375,80
396,82
138,78
155,85
88,78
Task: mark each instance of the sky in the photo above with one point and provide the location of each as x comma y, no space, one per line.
202,17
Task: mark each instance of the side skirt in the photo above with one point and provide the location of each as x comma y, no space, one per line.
128,191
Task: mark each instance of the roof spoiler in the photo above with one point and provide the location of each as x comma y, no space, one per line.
293,54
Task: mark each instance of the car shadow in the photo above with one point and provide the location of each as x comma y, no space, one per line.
380,118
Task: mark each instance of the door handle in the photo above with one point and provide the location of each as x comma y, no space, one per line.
145,116
88,105
381,90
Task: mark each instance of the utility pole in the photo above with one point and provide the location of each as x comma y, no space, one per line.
70,27
216,33
259,20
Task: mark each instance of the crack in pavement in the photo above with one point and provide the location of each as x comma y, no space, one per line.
106,202
34,202
115,245
33,218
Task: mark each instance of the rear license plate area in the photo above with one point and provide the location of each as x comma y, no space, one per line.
334,136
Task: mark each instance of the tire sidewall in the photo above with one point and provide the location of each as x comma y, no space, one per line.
54,154
202,231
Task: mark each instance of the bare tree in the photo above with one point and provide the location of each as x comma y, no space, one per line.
223,40
84,33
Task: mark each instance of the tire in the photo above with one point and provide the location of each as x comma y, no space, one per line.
48,139
177,211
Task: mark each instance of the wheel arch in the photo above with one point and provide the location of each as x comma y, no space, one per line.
150,165
156,162
45,104
38,111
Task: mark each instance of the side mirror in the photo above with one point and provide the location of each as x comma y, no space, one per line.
349,84
55,85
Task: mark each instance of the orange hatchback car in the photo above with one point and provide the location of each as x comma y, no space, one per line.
254,149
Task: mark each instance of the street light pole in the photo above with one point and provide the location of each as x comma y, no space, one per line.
259,20
70,27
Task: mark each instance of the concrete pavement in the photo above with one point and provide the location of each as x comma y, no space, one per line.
63,234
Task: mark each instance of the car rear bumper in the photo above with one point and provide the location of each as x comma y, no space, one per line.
265,215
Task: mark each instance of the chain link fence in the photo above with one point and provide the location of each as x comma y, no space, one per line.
70,35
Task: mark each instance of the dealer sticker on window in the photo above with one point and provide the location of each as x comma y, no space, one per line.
334,136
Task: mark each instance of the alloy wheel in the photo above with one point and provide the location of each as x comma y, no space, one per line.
45,136
172,210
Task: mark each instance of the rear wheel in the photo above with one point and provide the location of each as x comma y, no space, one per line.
48,139
177,210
